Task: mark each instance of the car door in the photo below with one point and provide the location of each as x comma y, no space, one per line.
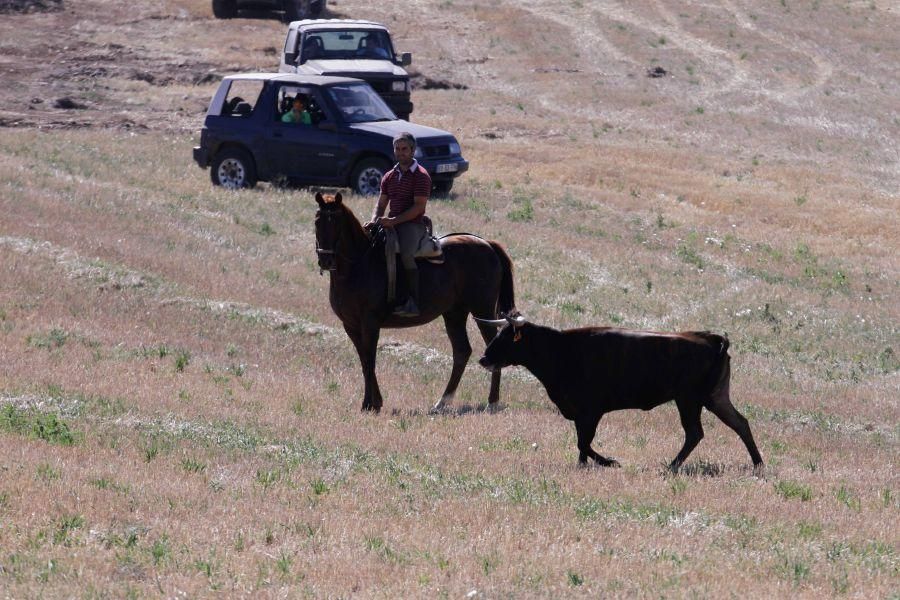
311,153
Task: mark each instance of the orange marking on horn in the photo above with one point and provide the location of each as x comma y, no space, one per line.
517,336
328,198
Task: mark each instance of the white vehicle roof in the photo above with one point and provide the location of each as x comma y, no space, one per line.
292,78
322,24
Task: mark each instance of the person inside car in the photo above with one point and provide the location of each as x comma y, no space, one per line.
298,113
370,48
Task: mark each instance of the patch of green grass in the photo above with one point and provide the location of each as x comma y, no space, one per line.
43,426
182,360
159,550
574,579
790,489
523,212
809,531
55,338
378,545
103,483
319,487
848,498
689,255
267,477
65,526
192,466
283,564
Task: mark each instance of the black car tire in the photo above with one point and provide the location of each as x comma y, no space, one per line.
295,10
442,187
224,9
233,168
366,177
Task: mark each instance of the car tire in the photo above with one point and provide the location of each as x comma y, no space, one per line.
442,187
224,9
295,10
233,169
366,177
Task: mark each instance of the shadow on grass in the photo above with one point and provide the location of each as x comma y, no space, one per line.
450,411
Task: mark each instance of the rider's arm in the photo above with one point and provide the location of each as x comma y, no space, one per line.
413,212
380,206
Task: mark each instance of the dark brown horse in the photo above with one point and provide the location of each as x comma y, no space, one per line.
476,277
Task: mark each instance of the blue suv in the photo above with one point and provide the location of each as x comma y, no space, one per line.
344,139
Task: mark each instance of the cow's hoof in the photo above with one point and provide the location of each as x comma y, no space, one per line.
441,405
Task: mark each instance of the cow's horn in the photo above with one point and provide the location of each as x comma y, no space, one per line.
492,322
516,321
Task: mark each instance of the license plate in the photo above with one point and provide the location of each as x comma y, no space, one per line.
447,168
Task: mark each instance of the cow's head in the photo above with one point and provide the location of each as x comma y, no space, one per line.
507,347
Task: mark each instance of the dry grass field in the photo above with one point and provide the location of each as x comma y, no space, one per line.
179,407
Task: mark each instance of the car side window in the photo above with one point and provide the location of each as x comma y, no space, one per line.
298,105
242,98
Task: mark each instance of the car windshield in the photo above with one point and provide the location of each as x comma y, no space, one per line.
347,44
359,103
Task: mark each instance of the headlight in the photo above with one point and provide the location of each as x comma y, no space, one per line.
400,86
454,148
418,153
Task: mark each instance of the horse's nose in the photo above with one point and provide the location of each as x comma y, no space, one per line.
326,262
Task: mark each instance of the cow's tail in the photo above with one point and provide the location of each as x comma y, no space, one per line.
506,303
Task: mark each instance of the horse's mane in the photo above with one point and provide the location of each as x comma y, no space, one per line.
357,232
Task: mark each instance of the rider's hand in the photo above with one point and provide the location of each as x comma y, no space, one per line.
387,221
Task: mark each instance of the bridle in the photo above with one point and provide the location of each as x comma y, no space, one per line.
329,216
331,221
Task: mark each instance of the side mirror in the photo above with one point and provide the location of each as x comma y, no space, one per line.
405,59
290,58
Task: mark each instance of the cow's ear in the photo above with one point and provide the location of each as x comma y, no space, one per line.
320,199
338,198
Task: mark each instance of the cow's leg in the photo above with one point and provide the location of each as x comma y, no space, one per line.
721,406
689,410
587,429
487,334
455,323
366,342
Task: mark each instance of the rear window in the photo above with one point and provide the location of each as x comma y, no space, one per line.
242,98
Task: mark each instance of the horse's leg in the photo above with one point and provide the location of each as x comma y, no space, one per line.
487,333
366,343
455,322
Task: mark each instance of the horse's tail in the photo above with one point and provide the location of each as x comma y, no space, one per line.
506,303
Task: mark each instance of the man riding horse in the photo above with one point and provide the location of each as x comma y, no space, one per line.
404,191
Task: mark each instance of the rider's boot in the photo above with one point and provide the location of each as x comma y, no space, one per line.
411,307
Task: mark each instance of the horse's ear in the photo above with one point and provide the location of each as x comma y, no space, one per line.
338,198
320,199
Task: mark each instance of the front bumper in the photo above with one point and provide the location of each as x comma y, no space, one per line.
442,170
201,157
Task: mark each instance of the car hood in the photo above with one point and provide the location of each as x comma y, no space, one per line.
392,128
352,68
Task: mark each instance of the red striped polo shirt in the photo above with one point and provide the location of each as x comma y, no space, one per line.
401,188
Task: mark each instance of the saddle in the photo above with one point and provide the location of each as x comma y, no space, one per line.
429,249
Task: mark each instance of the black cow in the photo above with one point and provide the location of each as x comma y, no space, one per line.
595,370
